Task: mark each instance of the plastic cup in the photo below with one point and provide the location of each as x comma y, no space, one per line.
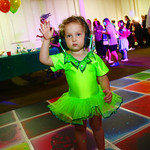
9,53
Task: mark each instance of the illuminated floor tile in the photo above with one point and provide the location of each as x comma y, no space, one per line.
123,82
147,70
122,123
53,100
128,95
113,88
143,87
141,105
148,80
42,124
140,76
138,141
62,139
10,135
6,118
22,146
32,110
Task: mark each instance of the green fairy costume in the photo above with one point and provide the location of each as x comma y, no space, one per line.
85,97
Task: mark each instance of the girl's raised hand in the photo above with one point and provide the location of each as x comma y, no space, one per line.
46,31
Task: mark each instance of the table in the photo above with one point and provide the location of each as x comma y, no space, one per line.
20,64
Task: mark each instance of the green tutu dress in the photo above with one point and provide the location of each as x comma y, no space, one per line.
85,97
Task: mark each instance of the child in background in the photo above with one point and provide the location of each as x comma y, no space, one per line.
105,43
89,95
112,41
123,41
97,28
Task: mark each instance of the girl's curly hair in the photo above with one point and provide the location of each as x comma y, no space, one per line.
75,19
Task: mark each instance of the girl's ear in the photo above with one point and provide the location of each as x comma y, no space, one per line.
63,43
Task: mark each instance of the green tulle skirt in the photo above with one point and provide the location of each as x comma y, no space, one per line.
74,110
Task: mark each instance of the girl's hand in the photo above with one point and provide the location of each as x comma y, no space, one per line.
46,31
108,97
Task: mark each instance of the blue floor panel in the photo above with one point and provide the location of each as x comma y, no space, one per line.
128,95
123,82
122,123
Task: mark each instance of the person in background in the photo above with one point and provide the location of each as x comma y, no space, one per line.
89,23
145,31
55,49
130,37
123,41
97,31
148,21
137,29
54,42
113,23
105,43
112,40
89,95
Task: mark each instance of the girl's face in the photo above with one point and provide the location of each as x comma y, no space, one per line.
120,24
96,23
74,36
88,22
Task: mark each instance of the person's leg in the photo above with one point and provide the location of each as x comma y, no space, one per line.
132,41
97,44
80,134
98,132
122,53
115,56
125,54
109,57
106,55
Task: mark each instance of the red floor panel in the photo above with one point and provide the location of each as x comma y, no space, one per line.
138,141
53,100
10,135
141,105
62,139
143,86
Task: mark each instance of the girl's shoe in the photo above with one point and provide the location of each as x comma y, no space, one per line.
106,58
110,61
124,60
115,64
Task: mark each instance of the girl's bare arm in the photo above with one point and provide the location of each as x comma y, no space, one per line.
104,82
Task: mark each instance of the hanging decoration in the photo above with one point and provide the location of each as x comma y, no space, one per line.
14,5
4,6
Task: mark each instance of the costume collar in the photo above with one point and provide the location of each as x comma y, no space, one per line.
79,64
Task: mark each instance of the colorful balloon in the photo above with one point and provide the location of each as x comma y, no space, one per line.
14,5
4,6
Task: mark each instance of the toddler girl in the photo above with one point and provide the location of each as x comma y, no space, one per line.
89,95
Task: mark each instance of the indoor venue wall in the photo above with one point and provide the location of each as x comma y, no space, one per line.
23,26
115,9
